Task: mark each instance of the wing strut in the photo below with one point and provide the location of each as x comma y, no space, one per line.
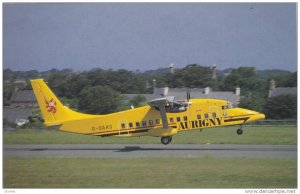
163,115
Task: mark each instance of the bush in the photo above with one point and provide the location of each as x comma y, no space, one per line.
99,100
281,107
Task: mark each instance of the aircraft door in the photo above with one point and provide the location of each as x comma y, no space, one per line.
122,125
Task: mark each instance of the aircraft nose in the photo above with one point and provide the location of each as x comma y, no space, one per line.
260,116
257,116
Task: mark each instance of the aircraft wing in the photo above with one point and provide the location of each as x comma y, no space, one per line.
160,104
168,104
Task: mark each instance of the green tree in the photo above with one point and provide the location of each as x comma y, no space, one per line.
248,81
121,80
59,82
8,90
75,84
138,101
286,80
71,103
99,100
246,72
192,76
36,119
253,89
281,107
8,75
253,102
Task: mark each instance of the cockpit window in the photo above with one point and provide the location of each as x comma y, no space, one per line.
227,106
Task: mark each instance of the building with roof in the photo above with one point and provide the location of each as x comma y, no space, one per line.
23,102
284,91
273,91
23,98
17,115
180,94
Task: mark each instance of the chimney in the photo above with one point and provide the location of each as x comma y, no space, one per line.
272,84
206,90
166,91
154,83
214,72
237,91
171,68
272,87
238,94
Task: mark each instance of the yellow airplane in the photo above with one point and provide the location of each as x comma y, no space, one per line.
163,117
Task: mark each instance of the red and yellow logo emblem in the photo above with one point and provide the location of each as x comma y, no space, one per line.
51,106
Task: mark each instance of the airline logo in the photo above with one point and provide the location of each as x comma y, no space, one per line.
51,106
201,123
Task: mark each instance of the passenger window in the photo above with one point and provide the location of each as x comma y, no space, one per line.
137,124
150,122
214,115
157,121
171,120
130,125
206,116
199,117
144,123
123,126
185,118
178,119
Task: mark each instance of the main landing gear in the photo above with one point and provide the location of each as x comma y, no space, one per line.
166,140
240,130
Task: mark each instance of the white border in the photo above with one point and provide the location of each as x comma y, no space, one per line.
126,191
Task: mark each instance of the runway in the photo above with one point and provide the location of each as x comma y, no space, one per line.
150,150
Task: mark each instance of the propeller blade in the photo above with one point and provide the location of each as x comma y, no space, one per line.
188,96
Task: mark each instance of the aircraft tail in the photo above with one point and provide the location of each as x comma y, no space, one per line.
53,111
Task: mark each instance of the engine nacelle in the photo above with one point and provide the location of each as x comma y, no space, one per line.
174,107
170,104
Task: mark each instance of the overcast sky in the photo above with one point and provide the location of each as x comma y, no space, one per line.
149,36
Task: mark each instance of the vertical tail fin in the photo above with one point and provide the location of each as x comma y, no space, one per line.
53,111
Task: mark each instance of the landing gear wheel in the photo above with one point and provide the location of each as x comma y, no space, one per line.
166,140
239,131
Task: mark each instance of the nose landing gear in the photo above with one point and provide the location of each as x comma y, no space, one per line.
166,140
240,130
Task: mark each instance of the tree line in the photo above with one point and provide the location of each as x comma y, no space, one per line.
99,91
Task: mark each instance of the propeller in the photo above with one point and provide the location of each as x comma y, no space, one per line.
188,97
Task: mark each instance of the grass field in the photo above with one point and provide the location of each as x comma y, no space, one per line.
207,172
222,135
